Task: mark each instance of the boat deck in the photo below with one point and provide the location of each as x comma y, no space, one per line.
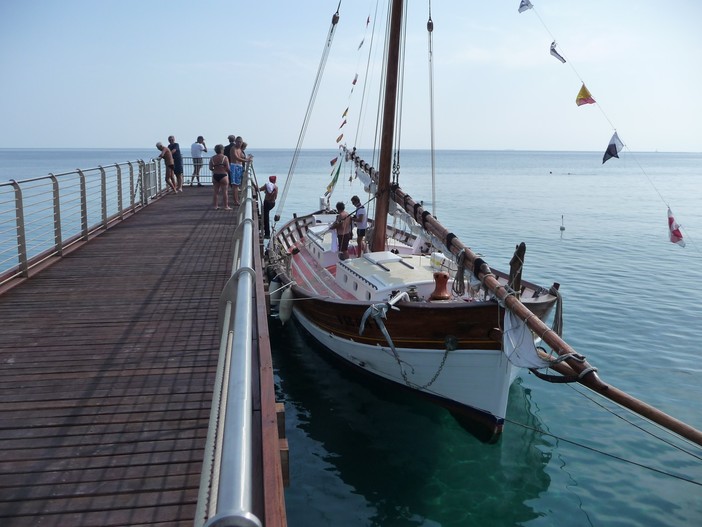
108,360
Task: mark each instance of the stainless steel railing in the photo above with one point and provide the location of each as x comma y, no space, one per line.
226,483
41,217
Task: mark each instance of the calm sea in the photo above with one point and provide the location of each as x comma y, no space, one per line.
364,455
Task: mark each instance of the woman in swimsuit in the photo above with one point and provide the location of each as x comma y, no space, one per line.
219,165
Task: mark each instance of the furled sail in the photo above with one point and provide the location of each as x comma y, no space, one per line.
518,343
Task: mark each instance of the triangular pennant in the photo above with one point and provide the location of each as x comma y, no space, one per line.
584,97
332,183
613,148
555,53
355,79
674,229
338,139
333,161
342,124
345,112
524,5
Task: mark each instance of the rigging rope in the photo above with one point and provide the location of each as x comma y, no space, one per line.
399,98
308,113
602,452
430,32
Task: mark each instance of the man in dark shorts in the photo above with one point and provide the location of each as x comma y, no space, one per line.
177,162
343,230
361,221
197,150
167,157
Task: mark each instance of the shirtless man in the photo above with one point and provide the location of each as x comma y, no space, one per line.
177,162
236,167
342,224
167,157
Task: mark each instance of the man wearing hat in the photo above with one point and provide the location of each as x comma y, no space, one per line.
270,191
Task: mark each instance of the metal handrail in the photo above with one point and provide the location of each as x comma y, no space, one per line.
227,476
42,216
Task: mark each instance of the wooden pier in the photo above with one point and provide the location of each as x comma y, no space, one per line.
108,359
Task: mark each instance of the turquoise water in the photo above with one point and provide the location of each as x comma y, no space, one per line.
365,455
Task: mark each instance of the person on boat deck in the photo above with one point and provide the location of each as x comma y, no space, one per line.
219,165
361,221
196,150
177,162
236,167
270,191
342,224
167,157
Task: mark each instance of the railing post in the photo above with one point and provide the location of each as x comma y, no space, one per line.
142,180
120,205
159,179
132,193
83,205
103,196
21,234
58,237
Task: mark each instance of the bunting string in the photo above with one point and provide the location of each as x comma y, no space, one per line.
345,118
615,144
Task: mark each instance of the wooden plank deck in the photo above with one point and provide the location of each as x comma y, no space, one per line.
107,363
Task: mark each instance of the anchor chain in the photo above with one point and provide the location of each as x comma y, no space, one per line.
379,312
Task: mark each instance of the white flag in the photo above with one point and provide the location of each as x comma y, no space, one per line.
555,53
524,5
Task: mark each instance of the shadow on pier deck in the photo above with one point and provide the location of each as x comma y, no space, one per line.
108,361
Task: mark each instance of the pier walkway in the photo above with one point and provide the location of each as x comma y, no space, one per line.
108,360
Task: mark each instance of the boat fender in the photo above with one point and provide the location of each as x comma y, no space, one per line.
285,307
275,288
440,289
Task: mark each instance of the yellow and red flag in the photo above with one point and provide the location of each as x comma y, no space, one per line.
584,97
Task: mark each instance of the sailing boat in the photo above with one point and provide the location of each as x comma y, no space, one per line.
419,309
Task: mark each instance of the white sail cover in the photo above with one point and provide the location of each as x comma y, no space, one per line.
518,343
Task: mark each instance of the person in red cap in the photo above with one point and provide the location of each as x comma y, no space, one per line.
270,191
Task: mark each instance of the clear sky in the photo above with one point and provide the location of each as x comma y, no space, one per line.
127,73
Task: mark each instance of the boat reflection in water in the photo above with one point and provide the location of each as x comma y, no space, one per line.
364,453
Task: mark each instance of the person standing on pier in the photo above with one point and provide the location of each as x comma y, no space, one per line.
219,165
236,167
177,162
270,194
167,157
197,150
228,148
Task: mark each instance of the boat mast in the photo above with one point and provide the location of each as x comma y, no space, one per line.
382,204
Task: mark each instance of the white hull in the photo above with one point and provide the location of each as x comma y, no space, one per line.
477,380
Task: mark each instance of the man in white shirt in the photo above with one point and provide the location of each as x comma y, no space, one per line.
197,150
361,221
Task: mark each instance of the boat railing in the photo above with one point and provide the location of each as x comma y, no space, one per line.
226,485
44,217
